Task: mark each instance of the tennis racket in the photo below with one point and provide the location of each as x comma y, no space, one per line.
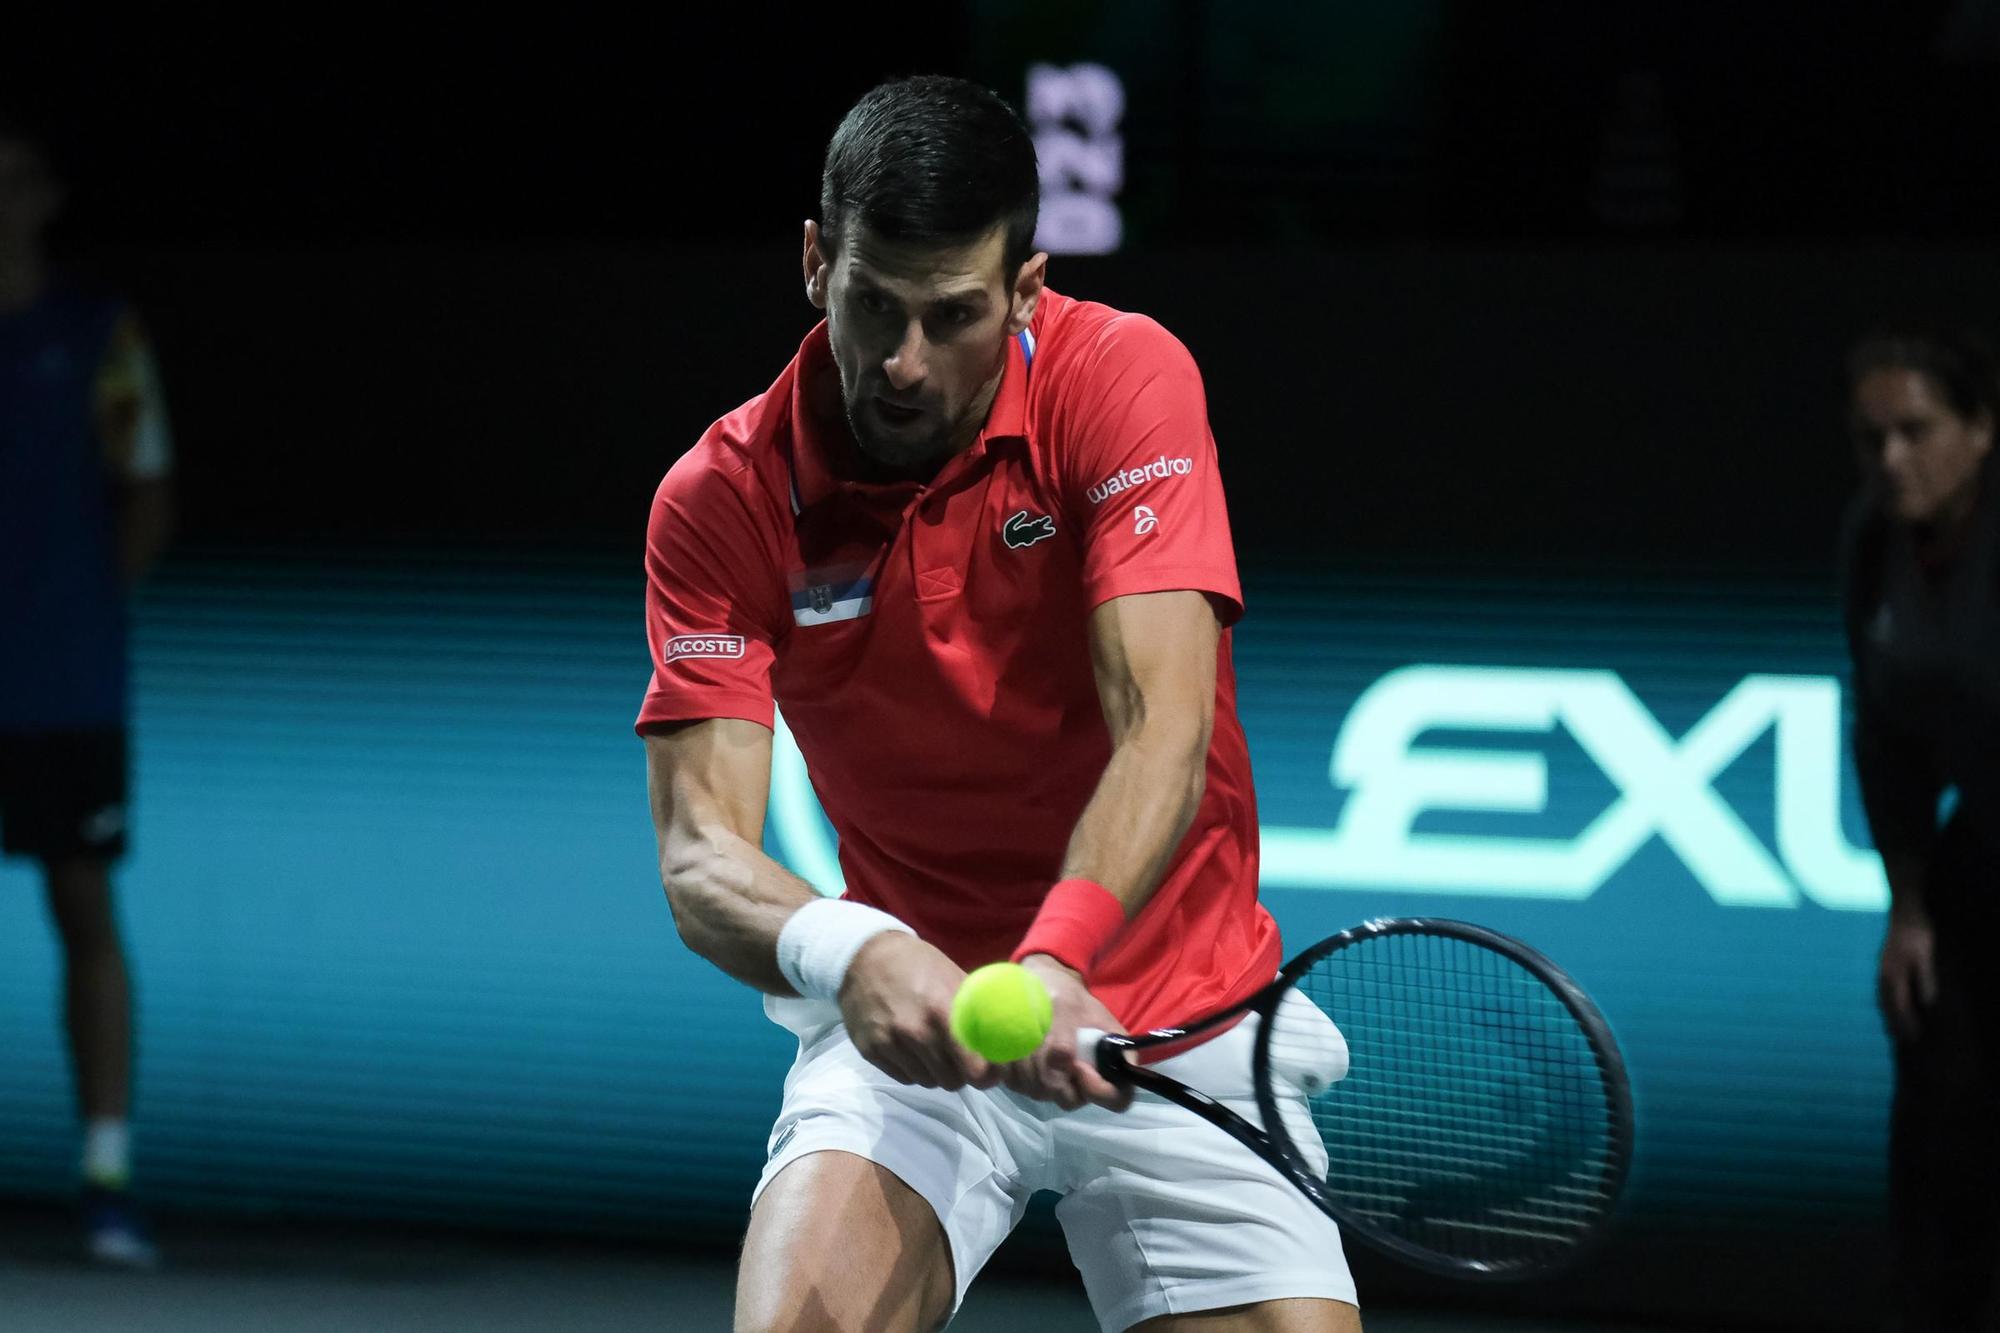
1472,1103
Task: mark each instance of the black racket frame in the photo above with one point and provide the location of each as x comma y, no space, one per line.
1118,1055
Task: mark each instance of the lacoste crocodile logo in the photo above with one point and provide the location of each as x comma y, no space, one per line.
1021,530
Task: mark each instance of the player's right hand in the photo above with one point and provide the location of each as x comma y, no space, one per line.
1906,979
1057,1073
896,1002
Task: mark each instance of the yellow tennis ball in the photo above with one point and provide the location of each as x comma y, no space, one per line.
1002,1011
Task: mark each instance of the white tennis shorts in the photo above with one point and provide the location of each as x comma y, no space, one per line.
1163,1212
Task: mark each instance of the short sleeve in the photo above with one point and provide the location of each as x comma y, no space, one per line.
710,598
1140,476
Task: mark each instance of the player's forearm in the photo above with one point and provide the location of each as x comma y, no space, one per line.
145,522
1141,810
729,902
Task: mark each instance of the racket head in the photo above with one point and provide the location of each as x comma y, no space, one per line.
1486,1130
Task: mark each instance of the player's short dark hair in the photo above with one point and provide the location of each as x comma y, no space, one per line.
1959,362
932,160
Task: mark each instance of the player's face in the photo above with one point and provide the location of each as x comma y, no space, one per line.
1926,455
28,198
920,336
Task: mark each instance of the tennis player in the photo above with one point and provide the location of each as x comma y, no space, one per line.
973,542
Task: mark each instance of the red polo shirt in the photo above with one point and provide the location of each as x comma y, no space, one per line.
929,644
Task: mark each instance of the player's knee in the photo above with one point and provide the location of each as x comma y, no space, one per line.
80,903
830,1312
767,1308
836,1299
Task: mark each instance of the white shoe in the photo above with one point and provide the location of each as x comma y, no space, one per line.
115,1233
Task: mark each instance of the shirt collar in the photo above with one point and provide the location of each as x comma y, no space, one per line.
818,435
1008,417
823,455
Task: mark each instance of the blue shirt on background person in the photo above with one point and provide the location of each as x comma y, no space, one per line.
81,416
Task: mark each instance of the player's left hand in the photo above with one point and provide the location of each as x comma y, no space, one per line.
1054,1073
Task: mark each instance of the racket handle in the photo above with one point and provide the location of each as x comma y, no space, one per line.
1106,1060
1086,1045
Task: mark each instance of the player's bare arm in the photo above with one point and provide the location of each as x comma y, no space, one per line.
146,517
1154,657
131,419
709,781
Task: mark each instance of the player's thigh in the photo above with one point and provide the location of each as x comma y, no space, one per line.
1183,1223
837,1242
1284,1316
1167,1218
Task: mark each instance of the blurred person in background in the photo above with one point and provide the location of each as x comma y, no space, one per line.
85,508
1922,557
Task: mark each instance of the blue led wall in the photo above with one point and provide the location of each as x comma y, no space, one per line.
401,948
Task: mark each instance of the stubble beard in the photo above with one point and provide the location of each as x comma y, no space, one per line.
899,452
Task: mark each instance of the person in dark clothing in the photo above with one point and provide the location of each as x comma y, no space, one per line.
85,508
1922,585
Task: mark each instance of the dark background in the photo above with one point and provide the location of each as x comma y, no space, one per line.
1474,284
1250,124
1525,282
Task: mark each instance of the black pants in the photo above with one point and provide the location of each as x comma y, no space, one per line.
1944,1131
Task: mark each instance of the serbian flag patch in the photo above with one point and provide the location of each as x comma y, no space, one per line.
841,592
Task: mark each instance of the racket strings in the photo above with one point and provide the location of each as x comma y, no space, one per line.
1474,1121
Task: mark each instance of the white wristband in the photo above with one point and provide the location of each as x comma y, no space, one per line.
819,940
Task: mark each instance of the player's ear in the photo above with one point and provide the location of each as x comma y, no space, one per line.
1027,292
816,266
